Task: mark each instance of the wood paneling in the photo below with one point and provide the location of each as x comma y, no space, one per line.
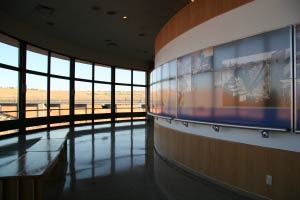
240,165
192,15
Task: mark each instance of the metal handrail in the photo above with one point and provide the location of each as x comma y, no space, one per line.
185,122
233,125
159,116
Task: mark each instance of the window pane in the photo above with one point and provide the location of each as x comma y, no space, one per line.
139,99
59,97
60,65
36,96
139,78
123,98
36,59
123,76
8,94
83,70
102,73
9,49
83,97
102,98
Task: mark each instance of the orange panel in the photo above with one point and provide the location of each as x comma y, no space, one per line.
192,15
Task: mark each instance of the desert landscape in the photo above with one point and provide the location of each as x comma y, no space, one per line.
36,102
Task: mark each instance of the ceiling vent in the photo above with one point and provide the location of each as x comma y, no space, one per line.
142,34
112,44
95,8
45,9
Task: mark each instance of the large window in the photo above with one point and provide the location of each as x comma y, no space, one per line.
36,96
83,97
102,98
102,91
9,94
60,65
102,73
36,82
9,61
83,70
59,97
36,59
123,76
139,99
83,89
139,77
9,81
59,85
9,49
49,84
123,98
130,91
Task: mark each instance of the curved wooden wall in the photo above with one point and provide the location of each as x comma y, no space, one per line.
192,15
240,165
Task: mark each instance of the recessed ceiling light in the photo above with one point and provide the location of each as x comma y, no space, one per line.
112,44
45,9
50,23
192,1
125,17
142,34
95,8
111,12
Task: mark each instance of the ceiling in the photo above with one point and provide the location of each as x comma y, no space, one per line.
98,25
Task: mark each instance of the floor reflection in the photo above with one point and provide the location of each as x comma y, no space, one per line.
112,161
118,162
109,162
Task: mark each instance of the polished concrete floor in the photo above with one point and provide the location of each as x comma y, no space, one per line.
112,162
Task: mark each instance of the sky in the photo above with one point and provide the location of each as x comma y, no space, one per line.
9,55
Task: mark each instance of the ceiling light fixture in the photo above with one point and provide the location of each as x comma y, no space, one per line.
142,34
125,17
111,12
45,9
112,44
95,8
50,23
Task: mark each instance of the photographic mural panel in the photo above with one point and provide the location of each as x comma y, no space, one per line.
172,111
244,82
297,41
184,92
158,90
165,89
202,85
253,80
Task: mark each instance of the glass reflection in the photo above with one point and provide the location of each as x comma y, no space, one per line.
105,149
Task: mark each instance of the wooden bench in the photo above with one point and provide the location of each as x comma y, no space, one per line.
22,177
